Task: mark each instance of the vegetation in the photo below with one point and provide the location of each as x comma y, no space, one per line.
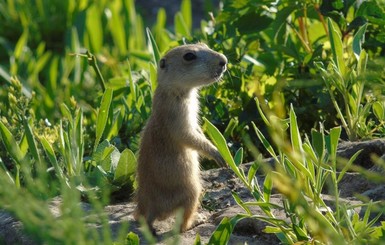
77,81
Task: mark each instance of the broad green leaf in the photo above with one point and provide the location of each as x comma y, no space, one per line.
53,75
132,239
180,26
10,144
294,132
106,155
264,205
281,17
253,22
220,142
373,11
318,142
21,43
336,46
51,156
334,137
23,145
252,171
272,229
41,62
311,158
197,240
358,40
126,166
238,158
102,117
222,233
300,233
117,83
267,187
379,110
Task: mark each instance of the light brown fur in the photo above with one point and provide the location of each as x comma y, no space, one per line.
168,163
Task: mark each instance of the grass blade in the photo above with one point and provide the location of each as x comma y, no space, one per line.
186,13
102,117
222,233
358,40
95,28
220,142
52,157
347,166
10,144
31,141
336,46
265,143
155,50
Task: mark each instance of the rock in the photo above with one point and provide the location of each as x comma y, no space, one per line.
369,148
11,231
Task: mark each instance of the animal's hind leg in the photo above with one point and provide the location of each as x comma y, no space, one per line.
150,218
189,214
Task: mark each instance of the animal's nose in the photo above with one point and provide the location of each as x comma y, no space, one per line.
223,61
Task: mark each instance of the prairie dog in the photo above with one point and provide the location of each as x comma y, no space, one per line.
168,164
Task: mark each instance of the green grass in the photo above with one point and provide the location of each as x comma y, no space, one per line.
78,79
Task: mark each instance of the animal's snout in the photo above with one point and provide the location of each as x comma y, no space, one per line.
223,62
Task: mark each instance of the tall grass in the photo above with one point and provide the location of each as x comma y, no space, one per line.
302,169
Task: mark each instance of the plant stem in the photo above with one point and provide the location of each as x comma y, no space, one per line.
321,17
304,43
93,62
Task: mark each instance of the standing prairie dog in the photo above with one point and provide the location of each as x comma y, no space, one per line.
168,163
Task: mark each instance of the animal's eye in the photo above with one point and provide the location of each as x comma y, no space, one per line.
189,57
162,63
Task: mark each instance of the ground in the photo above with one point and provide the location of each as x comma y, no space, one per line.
218,184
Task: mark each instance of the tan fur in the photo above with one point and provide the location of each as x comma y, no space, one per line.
168,163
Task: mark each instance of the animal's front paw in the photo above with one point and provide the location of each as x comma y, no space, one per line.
220,161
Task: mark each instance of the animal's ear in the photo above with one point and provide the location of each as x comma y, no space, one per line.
162,63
